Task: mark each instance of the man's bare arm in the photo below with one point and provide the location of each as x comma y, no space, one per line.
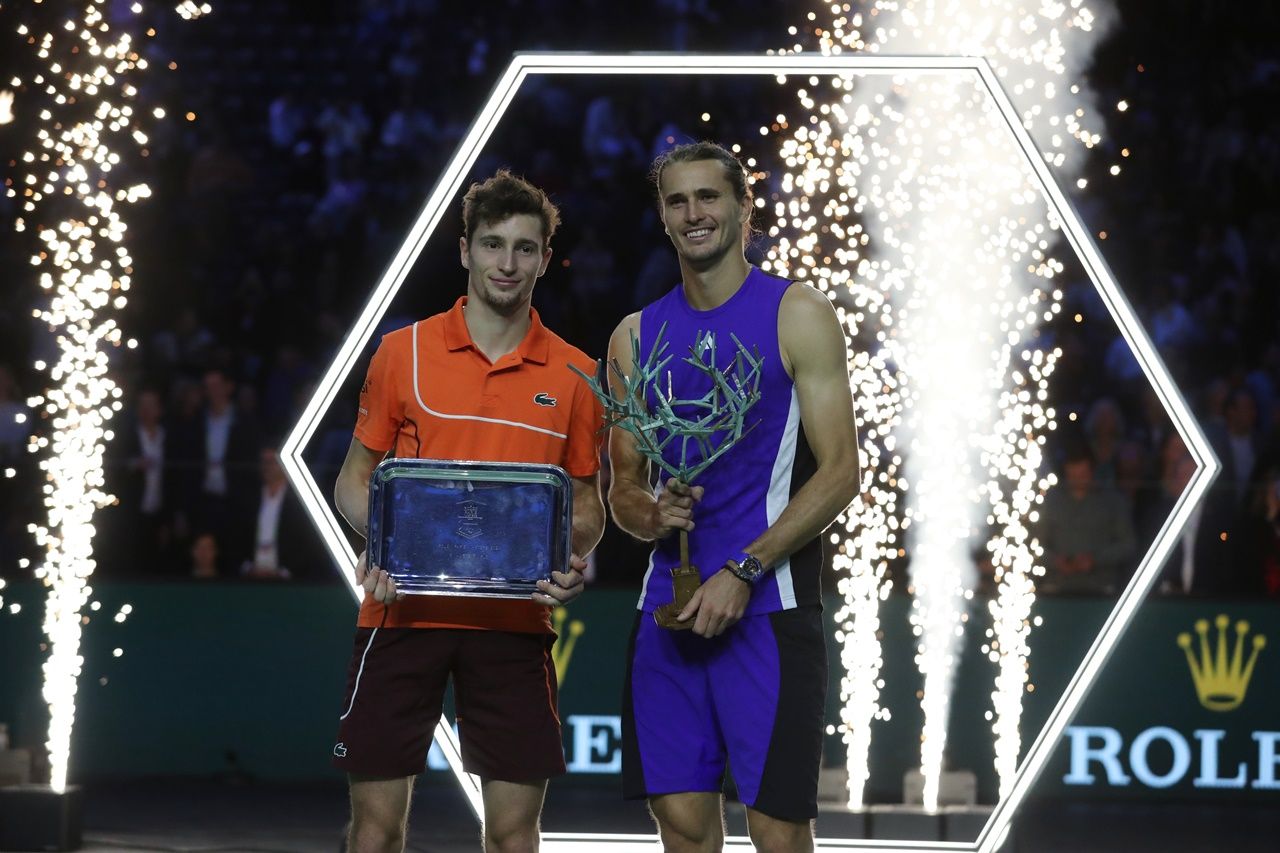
588,524
351,496
635,509
351,492
588,514
813,351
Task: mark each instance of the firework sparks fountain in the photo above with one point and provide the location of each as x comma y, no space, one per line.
79,102
906,210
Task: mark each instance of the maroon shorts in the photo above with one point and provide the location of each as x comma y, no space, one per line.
504,688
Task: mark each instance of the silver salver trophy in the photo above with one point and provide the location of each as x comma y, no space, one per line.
488,529
646,407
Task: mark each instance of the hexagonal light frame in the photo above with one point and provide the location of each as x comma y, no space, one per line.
523,65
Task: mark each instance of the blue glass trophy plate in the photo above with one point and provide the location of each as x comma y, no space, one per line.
489,529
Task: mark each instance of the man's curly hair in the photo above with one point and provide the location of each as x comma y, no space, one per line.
506,195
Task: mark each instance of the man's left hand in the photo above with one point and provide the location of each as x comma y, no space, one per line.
563,586
717,604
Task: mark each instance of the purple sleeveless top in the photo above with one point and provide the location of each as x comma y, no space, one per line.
748,487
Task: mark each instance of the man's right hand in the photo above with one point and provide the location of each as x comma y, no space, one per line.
674,509
375,581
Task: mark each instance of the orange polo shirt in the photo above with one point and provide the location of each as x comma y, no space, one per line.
431,394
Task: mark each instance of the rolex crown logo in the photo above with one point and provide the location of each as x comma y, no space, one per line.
565,641
1221,679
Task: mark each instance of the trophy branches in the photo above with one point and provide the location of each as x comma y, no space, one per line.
646,406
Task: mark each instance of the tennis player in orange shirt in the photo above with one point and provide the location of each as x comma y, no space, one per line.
483,381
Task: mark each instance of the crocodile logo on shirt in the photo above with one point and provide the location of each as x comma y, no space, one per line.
542,398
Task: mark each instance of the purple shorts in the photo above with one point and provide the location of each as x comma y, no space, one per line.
752,698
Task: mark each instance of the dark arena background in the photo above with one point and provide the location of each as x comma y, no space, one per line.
258,165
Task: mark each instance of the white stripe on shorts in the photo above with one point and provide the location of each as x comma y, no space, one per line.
359,673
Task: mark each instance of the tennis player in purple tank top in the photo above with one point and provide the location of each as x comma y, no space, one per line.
746,687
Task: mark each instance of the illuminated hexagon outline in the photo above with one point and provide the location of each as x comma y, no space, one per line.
330,528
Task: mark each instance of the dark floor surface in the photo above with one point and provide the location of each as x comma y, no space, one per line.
206,816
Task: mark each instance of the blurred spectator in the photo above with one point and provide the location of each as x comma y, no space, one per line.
1132,472
1171,325
1152,430
1121,364
478,57
1225,540
608,142
1264,383
142,523
1087,532
1213,408
286,120
218,170
408,129
204,556
594,284
279,546
217,451
1264,530
288,375
343,127
1104,430
1188,568
659,272
406,63
686,18
187,343
343,201
1236,442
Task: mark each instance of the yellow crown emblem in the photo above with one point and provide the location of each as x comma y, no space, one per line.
563,648
1221,683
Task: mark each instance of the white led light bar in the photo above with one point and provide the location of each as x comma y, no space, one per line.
655,65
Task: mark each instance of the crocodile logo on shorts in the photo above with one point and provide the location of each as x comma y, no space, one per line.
542,398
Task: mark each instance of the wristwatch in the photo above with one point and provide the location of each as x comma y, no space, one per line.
746,568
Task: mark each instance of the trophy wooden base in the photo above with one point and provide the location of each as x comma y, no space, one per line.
685,581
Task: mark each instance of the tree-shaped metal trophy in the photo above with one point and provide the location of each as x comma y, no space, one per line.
711,425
